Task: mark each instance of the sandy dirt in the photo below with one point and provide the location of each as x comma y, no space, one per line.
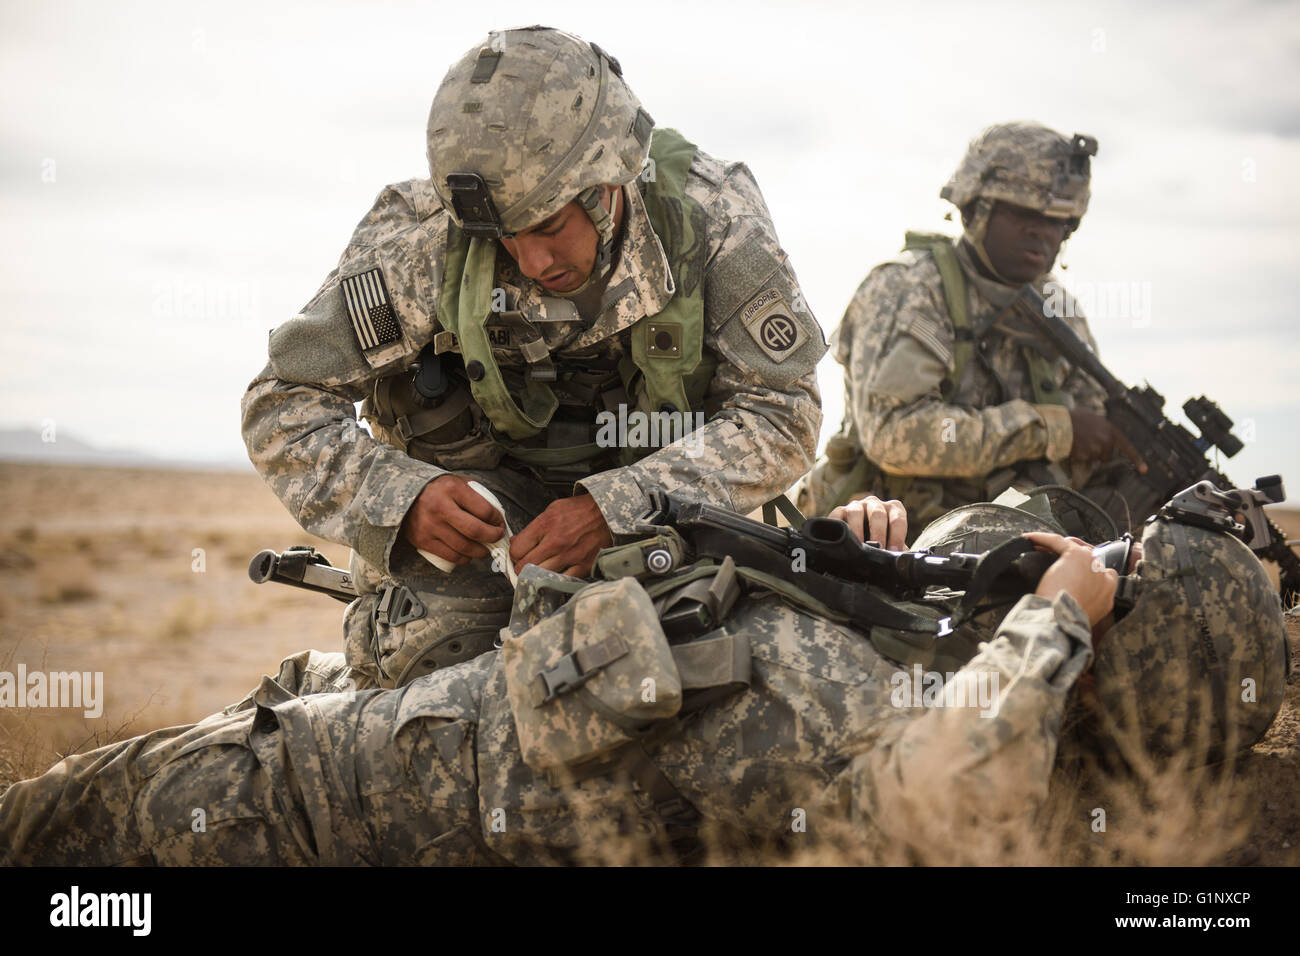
142,575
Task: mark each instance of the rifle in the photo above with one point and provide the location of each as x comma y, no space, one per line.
303,567
831,564
1176,459
825,561
827,546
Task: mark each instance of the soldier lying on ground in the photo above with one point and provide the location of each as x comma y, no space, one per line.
590,732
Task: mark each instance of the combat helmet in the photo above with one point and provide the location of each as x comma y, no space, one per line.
1029,165
528,121
980,527
1199,665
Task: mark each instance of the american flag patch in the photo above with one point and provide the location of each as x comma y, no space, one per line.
372,315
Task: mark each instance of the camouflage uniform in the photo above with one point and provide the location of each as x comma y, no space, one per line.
431,773
896,345
762,405
933,442
435,772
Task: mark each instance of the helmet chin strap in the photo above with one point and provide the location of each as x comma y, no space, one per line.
975,232
604,220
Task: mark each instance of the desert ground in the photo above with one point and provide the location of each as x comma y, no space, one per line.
142,575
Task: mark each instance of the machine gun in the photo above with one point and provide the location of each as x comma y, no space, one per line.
1176,459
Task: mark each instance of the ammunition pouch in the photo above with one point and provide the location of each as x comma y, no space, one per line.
595,676
605,676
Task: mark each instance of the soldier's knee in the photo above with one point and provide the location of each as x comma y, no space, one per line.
402,633
213,807
212,803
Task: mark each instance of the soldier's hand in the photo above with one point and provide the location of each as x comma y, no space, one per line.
874,520
565,537
452,520
1096,439
1078,574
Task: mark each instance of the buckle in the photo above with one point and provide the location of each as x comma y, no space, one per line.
399,605
562,678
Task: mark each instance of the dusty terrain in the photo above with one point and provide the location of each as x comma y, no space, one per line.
100,573
142,575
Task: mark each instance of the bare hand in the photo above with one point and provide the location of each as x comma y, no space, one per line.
1096,439
452,520
874,520
1078,574
565,537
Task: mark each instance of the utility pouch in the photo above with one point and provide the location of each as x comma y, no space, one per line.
590,678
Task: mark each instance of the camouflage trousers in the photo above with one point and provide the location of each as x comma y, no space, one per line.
332,778
420,619
432,773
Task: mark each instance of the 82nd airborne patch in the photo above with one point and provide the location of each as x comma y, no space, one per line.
371,312
770,323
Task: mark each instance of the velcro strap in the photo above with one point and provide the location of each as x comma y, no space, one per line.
989,568
534,350
718,660
601,654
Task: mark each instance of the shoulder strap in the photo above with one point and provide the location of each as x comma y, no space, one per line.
954,295
667,348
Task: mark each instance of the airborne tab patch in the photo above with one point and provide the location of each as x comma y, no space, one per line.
770,323
370,310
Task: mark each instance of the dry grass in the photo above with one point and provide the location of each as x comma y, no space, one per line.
186,618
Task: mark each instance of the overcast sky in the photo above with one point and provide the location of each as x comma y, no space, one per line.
177,178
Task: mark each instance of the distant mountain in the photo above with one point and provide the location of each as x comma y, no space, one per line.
26,445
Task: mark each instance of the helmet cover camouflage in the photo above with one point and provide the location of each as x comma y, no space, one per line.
976,528
1199,665
541,116
1028,165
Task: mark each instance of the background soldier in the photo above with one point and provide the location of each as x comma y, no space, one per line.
949,398
565,259
504,758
